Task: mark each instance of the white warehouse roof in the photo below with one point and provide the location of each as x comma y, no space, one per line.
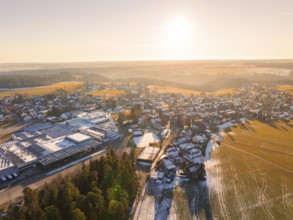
79,137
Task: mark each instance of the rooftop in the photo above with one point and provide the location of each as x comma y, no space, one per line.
148,154
5,162
38,127
79,137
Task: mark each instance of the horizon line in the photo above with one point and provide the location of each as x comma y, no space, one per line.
143,60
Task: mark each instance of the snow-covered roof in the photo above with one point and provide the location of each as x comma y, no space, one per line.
148,153
79,137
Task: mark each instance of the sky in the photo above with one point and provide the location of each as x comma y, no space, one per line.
96,30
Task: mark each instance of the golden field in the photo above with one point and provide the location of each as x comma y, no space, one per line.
164,89
250,175
107,92
42,90
223,92
285,88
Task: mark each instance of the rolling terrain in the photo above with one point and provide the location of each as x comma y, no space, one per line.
203,75
42,90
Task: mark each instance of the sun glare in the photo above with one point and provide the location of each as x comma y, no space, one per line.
177,31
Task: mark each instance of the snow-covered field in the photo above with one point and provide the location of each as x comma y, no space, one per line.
226,125
209,148
249,176
146,139
187,200
184,199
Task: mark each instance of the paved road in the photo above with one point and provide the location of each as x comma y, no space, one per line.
144,183
6,130
165,144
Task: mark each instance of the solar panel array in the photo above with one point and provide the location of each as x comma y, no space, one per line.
67,152
57,131
4,161
38,127
7,145
35,149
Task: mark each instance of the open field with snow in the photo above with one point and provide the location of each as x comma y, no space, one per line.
250,175
146,140
180,200
42,90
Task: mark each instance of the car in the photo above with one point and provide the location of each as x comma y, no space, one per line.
9,176
3,214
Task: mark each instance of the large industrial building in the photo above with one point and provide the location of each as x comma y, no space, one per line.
49,144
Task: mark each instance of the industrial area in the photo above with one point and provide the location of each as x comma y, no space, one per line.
52,144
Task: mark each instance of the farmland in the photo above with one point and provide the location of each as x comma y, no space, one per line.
107,92
42,90
285,88
163,89
250,175
223,91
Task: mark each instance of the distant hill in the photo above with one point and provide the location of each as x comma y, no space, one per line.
224,83
206,75
33,80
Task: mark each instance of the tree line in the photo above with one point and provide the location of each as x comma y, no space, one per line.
31,80
105,189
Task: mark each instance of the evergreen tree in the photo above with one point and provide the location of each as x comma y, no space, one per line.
31,208
52,213
77,214
104,189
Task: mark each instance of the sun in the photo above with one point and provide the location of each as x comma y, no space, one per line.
177,31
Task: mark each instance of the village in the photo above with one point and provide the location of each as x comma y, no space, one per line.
172,134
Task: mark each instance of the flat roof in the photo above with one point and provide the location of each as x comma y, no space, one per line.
19,152
38,127
148,154
67,152
56,144
78,137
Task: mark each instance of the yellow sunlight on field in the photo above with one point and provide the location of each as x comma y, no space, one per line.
285,88
42,90
167,89
106,92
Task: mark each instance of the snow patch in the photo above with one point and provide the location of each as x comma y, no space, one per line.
144,163
146,140
225,125
209,148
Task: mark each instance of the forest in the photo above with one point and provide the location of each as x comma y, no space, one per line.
31,80
105,189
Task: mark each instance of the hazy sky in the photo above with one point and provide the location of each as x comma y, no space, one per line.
87,30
